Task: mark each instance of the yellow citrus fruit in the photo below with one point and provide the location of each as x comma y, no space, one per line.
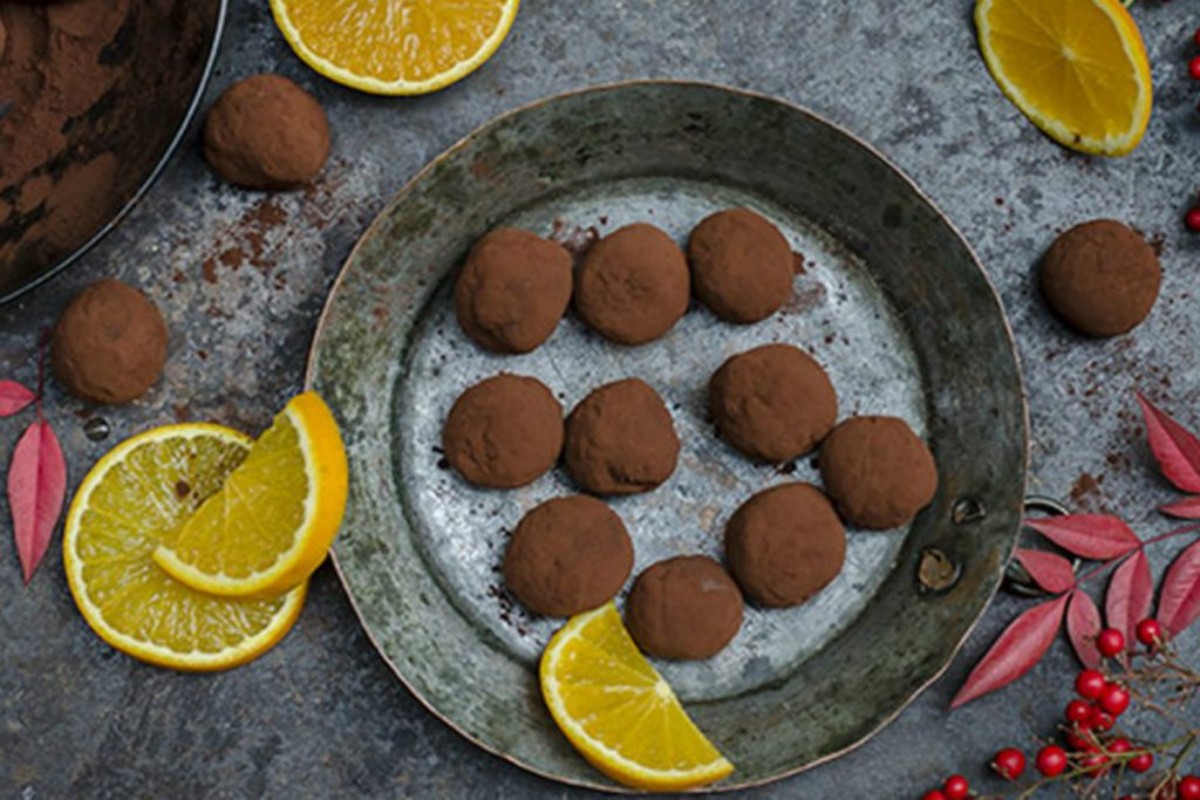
141,491
1077,68
271,524
395,47
617,710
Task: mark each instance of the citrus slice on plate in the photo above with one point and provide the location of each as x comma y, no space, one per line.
142,490
617,710
1077,68
395,46
271,524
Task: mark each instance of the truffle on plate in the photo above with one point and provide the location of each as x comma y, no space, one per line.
568,555
877,471
633,285
742,267
684,607
1101,278
504,432
621,440
785,544
265,132
774,402
513,290
110,344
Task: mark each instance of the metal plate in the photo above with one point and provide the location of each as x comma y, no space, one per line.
892,302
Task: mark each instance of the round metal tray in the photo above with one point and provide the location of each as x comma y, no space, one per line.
891,301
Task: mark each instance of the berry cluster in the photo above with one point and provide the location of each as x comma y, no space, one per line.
1092,746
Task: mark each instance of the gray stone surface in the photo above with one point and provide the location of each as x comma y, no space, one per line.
321,715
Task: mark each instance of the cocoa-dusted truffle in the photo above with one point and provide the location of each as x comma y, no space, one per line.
504,432
568,555
877,471
265,132
633,285
110,344
1101,278
742,267
684,607
621,440
773,402
785,544
513,290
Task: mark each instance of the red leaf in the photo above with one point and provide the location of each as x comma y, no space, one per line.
1130,592
1175,448
1083,626
1018,649
1097,536
1179,598
37,484
13,398
1188,508
1050,571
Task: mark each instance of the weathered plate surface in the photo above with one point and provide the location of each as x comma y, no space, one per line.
892,303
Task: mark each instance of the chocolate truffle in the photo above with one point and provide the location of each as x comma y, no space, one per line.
504,432
742,267
265,132
773,402
878,472
633,285
1101,278
684,607
513,290
785,544
568,555
620,439
110,344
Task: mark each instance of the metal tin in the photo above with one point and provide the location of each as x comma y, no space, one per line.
891,301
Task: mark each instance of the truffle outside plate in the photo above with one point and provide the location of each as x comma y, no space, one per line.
890,300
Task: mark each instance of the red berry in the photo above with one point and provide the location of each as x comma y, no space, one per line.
1119,746
1099,719
1009,763
1080,738
1149,631
1189,788
1090,684
1192,219
1141,762
957,788
1115,700
1051,760
933,794
1110,642
1194,68
1096,762
1079,710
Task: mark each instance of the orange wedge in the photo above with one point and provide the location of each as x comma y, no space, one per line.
395,47
1077,68
617,710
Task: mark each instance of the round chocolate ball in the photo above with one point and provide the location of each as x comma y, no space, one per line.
568,555
684,607
633,285
513,290
1101,278
110,344
742,267
773,402
621,440
785,544
504,432
265,132
877,471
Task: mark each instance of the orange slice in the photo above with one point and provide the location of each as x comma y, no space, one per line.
617,710
395,47
1077,68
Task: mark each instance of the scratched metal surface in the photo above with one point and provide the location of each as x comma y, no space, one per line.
242,278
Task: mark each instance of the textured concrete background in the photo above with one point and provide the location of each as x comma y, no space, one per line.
242,278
